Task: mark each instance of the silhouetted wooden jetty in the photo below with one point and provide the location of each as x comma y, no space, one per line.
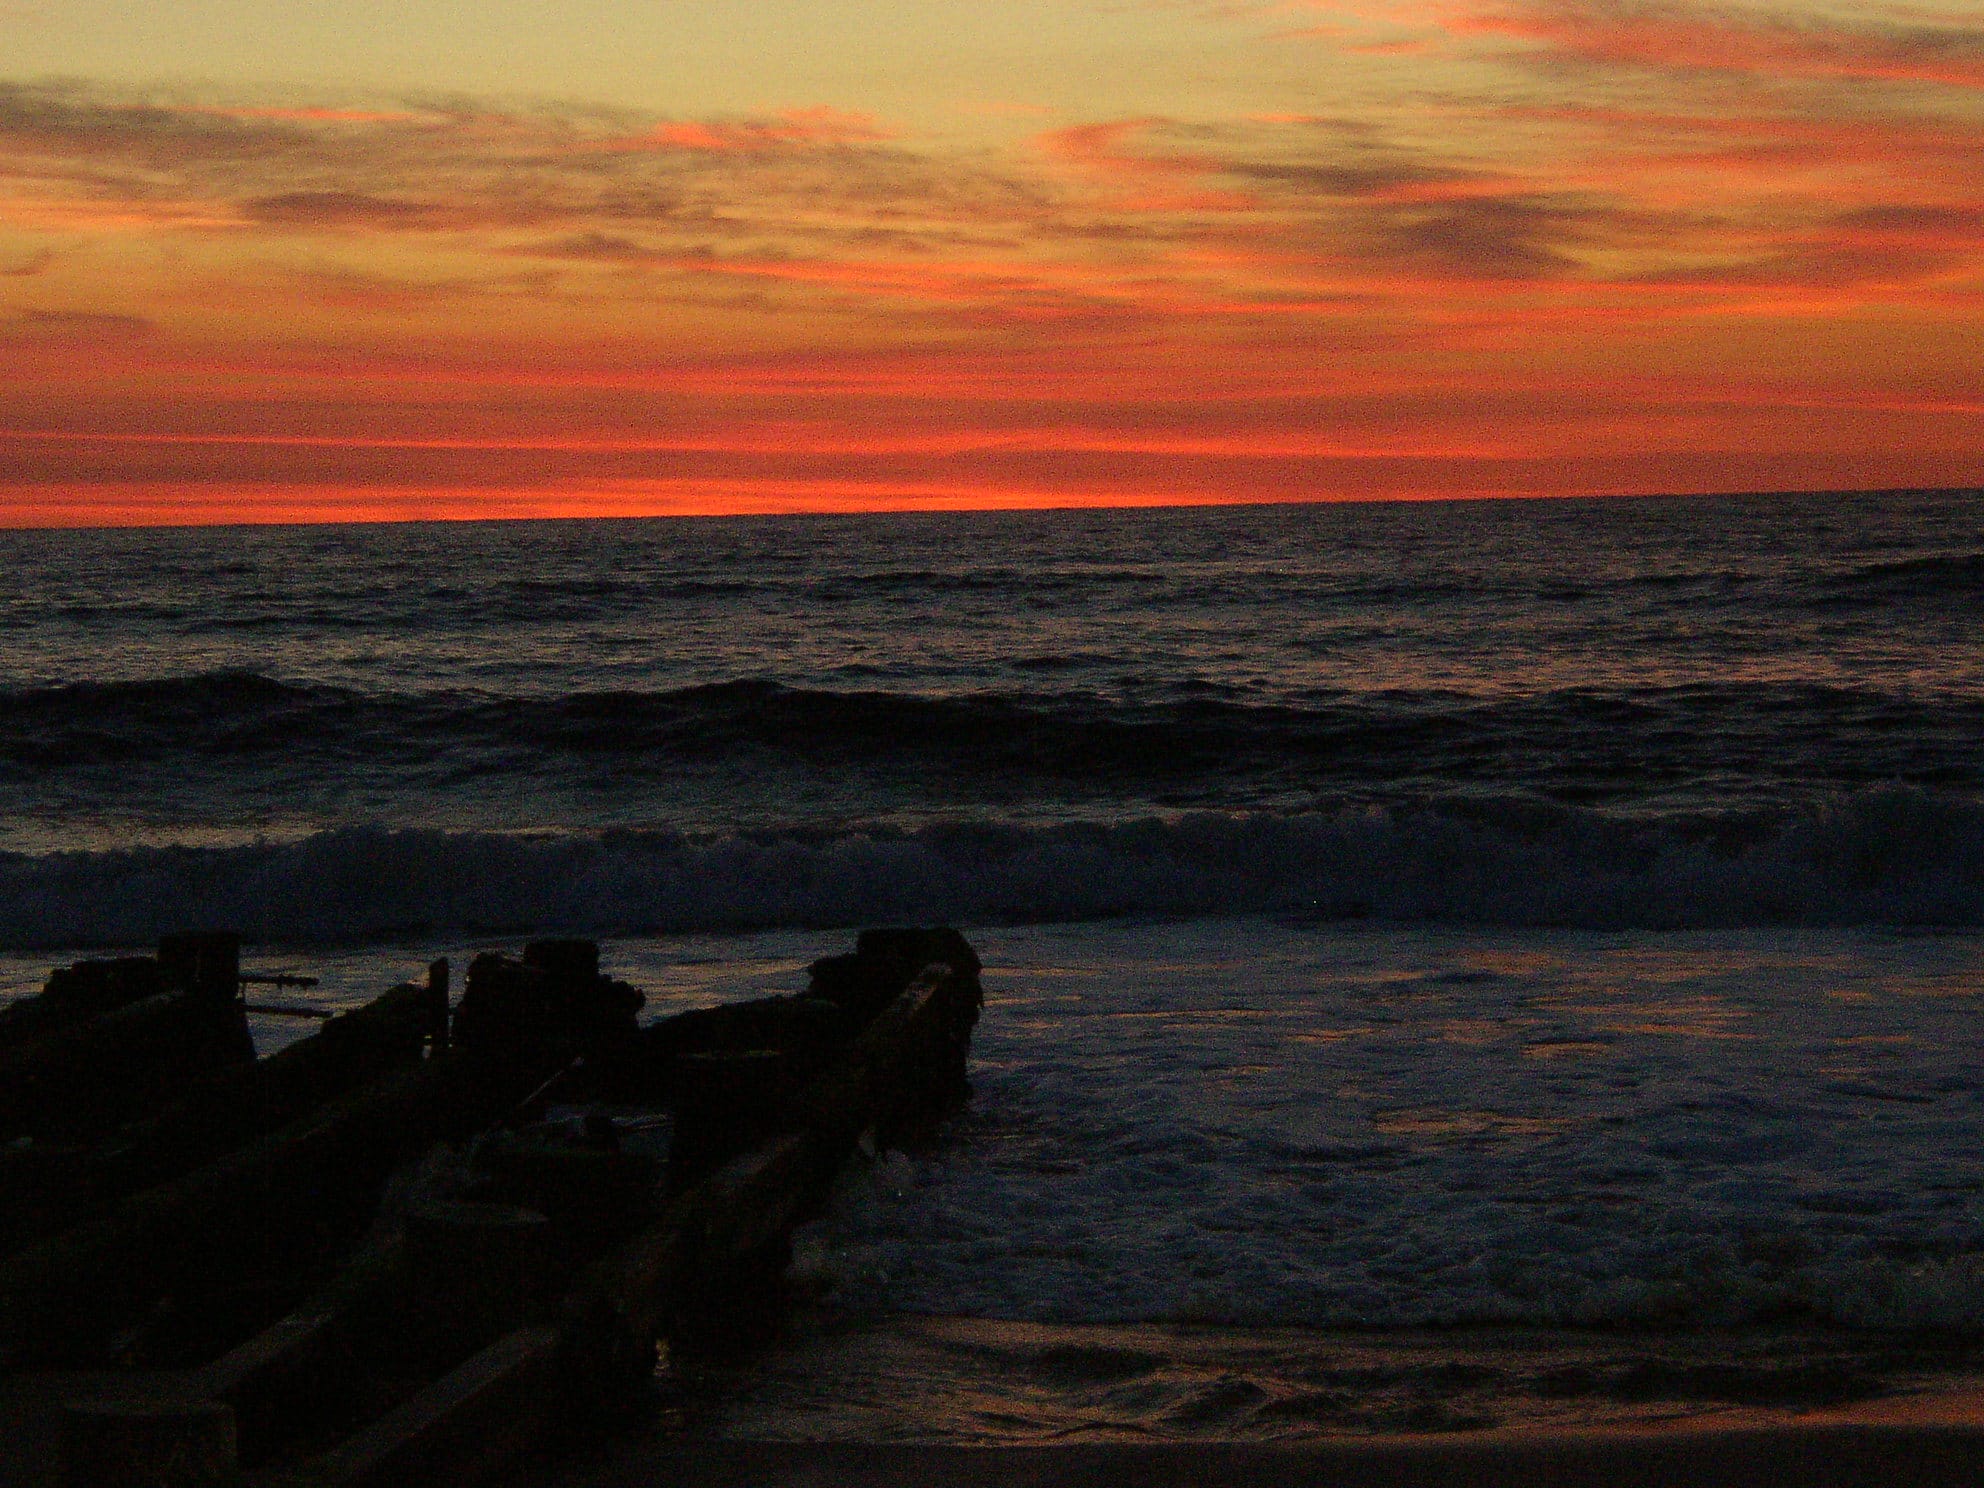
426,1238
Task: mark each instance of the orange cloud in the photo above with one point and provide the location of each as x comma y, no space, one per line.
1721,39
362,310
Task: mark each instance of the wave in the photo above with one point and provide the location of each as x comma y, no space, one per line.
1893,857
1631,736
1934,577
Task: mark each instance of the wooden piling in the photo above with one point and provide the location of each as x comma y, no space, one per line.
771,1099
87,1079
207,965
697,1272
288,1203
71,1075
437,1006
204,961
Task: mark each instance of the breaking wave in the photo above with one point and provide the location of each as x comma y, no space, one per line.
1937,576
1892,856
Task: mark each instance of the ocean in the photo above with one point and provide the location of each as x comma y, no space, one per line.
1527,914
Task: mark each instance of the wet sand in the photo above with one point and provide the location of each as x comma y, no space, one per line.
1820,1452
974,1382
992,1406
907,1400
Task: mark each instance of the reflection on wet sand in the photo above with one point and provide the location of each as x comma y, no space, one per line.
970,1381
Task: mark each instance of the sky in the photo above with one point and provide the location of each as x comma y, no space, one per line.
286,261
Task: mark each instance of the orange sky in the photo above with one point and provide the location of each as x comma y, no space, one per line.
643,261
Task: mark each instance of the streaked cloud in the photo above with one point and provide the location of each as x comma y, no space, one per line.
35,263
1553,245
93,326
1778,43
787,130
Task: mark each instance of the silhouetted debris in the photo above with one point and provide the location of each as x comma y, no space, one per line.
553,1003
46,1185
382,1253
161,1025
77,993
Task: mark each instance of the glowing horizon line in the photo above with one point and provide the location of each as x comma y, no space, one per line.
1050,440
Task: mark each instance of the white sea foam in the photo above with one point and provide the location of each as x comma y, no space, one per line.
1258,1121
1883,857
1255,1124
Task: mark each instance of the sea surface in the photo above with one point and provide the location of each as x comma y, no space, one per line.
1526,914
1661,713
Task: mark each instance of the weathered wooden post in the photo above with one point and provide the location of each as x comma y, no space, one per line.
727,1101
437,1005
206,964
565,960
202,961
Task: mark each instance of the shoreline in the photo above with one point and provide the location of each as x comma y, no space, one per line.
1931,1439
1921,1443
1925,1431
934,1380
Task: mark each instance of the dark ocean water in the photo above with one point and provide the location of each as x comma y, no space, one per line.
1676,712
1316,856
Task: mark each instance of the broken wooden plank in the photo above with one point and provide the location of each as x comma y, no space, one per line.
460,1430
